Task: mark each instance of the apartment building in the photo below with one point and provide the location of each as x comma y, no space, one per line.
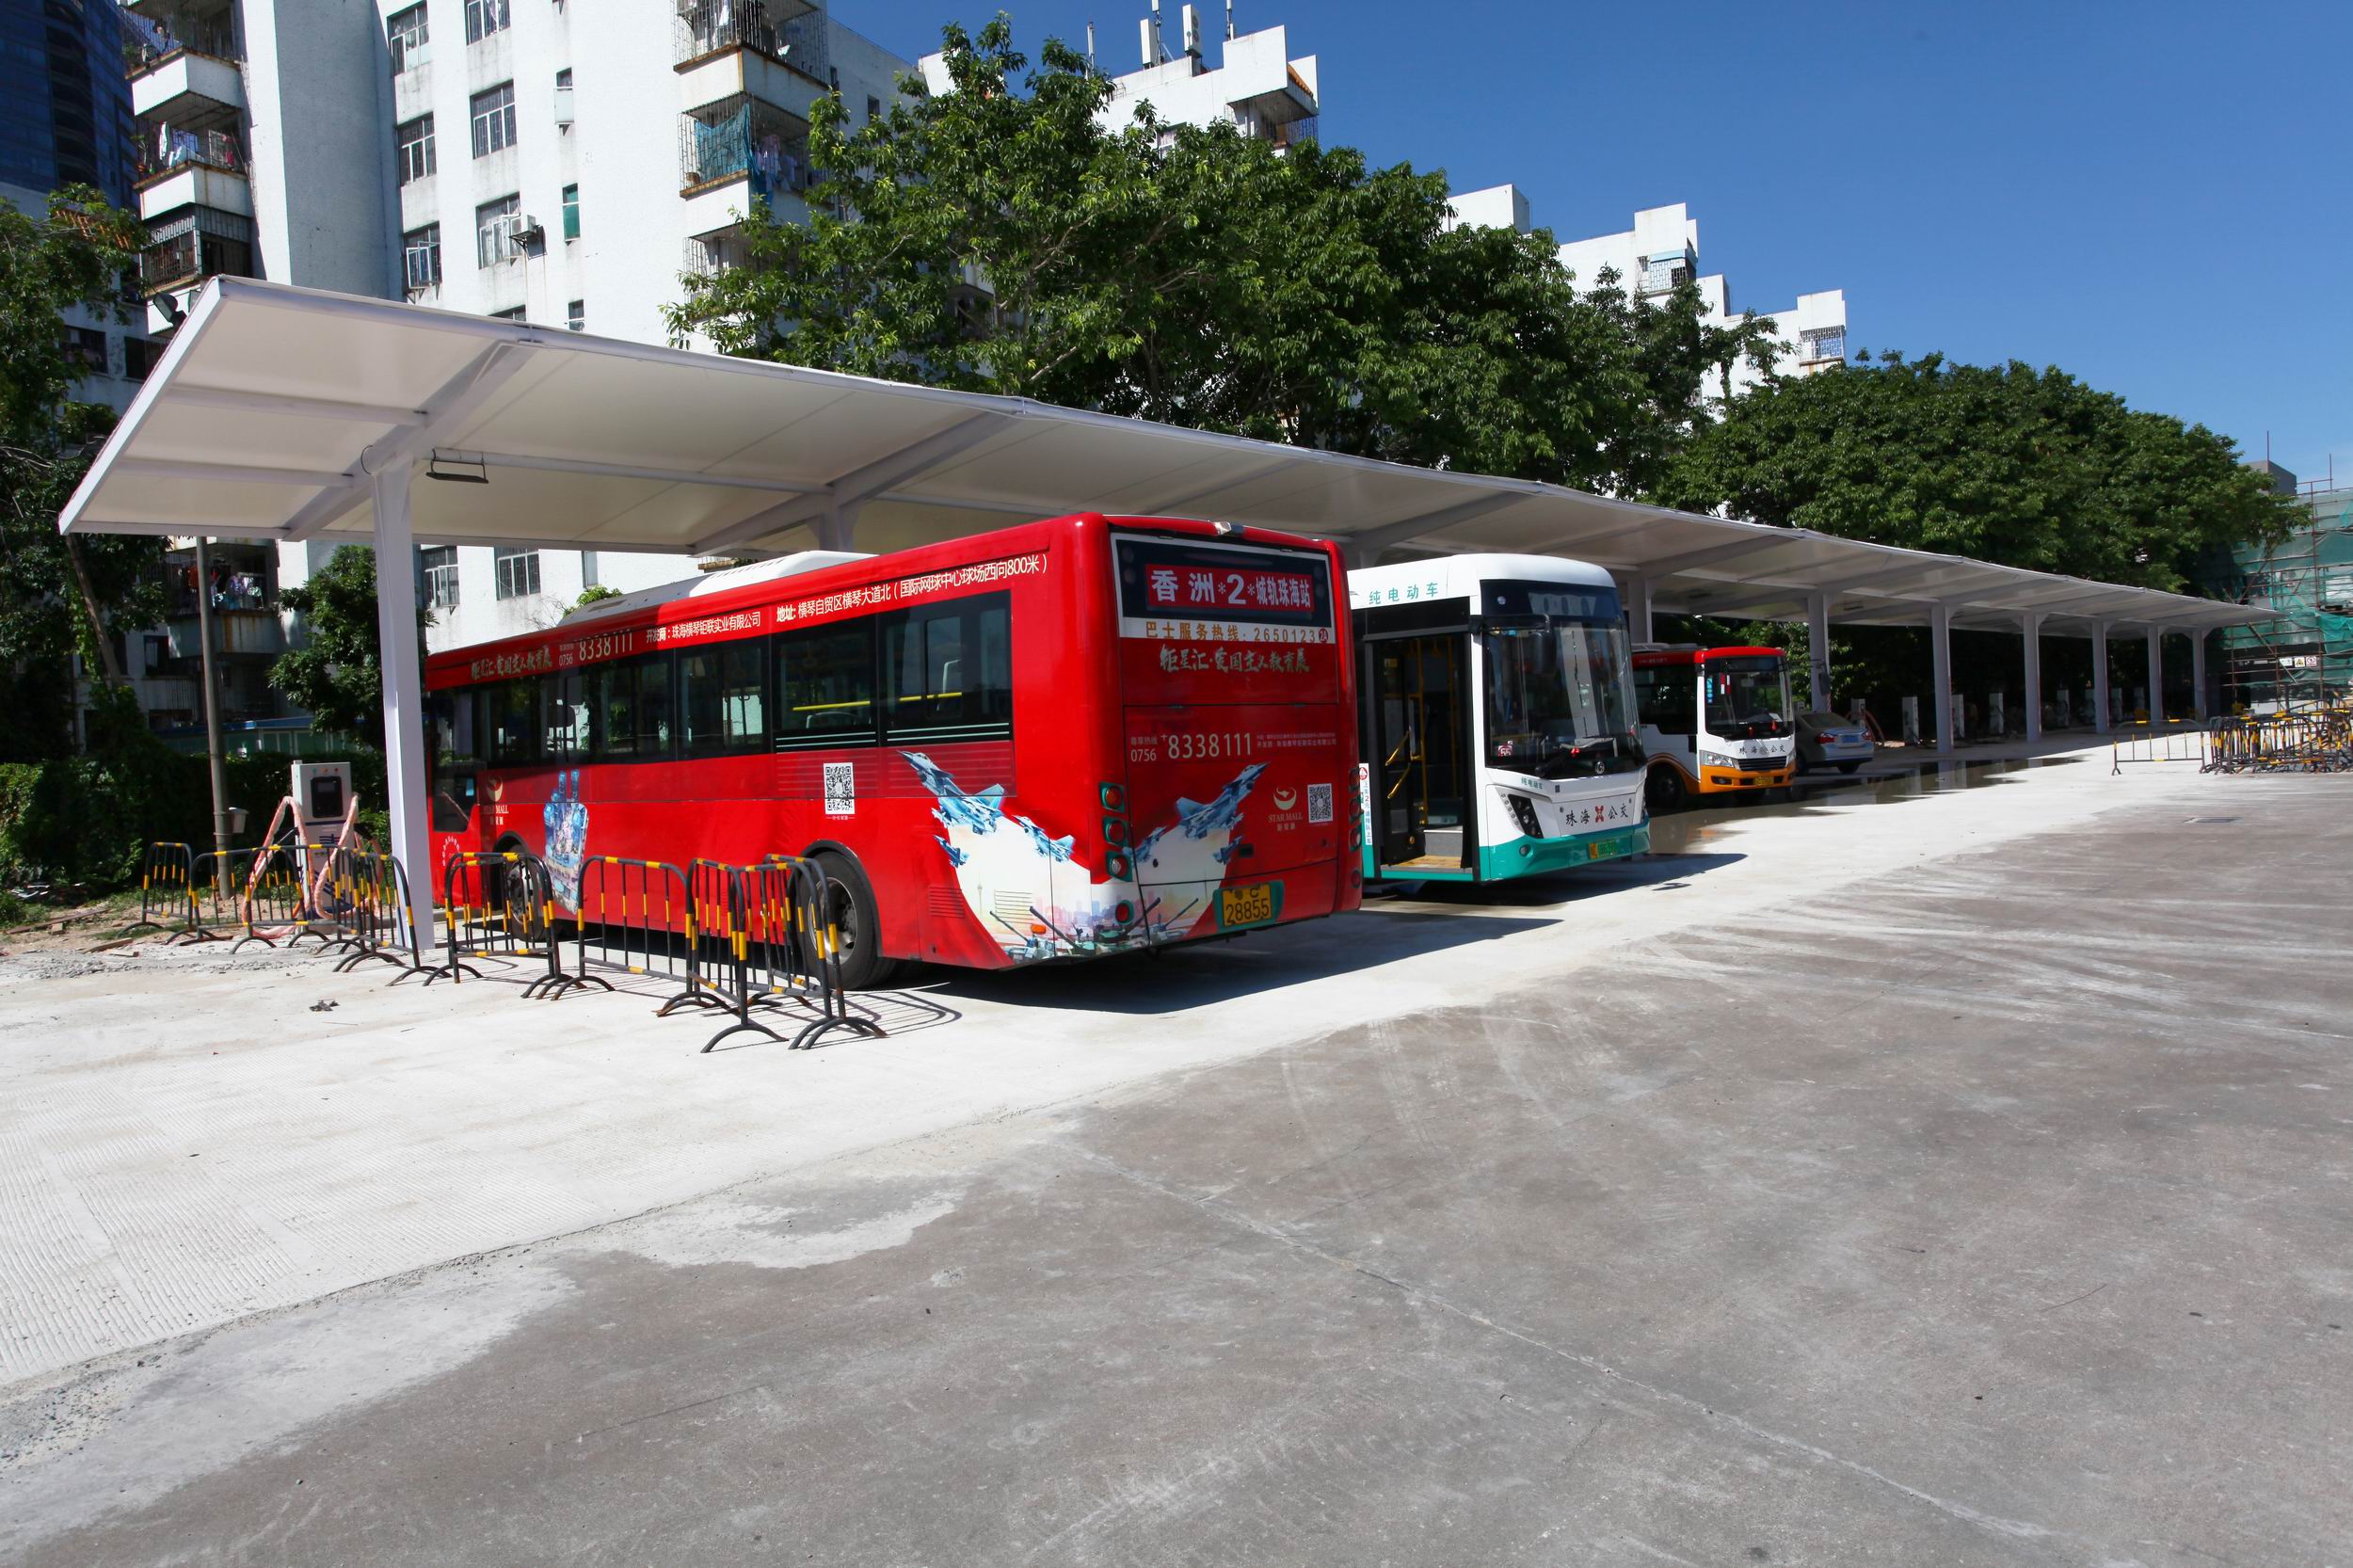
65,120
1660,253
543,160
1255,86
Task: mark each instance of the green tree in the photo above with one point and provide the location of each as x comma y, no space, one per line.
59,595
337,675
996,238
2004,463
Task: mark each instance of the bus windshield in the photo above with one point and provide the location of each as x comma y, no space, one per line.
1746,697
1558,701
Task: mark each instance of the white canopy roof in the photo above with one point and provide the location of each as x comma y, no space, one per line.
276,407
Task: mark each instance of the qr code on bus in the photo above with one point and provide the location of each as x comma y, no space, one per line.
1319,803
840,791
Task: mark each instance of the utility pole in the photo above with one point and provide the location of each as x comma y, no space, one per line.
212,720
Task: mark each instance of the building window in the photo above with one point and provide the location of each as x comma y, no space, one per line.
571,212
86,347
564,97
493,120
139,356
441,578
1822,343
416,148
517,573
576,316
405,31
421,250
495,226
873,109
484,17
513,315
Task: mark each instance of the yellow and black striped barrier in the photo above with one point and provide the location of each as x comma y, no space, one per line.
763,942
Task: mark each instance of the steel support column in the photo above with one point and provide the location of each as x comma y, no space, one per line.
2157,678
2034,676
2197,673
1818,647
1941,661
408,763
1638,618
2100,677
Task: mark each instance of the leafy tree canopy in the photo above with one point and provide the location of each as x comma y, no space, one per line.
338,673
2005,463
1004,241
57,594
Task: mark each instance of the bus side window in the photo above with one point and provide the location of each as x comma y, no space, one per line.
514,722
826,686
567,717
615,702
1662,696
948,669
726,698
656,733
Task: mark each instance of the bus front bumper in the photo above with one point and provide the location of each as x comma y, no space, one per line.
1531,856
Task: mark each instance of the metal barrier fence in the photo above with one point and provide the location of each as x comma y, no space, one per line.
636,917
756,942
365,904
165,871
498,905
763,940
2179,745
2316,741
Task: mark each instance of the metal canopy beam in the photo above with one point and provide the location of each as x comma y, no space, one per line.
863,482
1368,543
1692,560
295,408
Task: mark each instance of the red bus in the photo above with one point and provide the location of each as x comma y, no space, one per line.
1073,737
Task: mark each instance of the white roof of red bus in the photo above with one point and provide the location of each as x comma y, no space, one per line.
276,410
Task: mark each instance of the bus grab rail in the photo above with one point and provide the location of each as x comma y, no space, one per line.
763,940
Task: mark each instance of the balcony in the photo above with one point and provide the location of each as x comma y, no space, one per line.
185,85
742,142
193,244
236,634
727,52
784,30
177,168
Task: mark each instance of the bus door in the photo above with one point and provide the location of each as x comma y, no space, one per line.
1421,775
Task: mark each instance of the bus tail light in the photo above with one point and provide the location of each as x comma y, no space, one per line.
1118,868
1115,831
1123,911
1115,797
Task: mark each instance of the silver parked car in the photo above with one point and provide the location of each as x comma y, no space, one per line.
1825,740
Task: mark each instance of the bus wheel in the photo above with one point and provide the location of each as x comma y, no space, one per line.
850,910
1663,791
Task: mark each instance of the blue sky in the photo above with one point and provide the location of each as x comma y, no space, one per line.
2156,196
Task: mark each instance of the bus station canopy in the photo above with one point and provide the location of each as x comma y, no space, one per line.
280,413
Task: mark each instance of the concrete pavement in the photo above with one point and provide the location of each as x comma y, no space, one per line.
1981,1198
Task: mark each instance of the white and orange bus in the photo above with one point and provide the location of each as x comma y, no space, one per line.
1716,721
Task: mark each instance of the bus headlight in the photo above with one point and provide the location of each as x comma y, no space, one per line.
1524,813
1717,759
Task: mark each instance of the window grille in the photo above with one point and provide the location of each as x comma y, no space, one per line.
441,578
493,120
1822,343
406,34
496,228
420,250
516,572
484,17
416,149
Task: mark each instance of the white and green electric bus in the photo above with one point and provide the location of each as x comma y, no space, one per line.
1498,719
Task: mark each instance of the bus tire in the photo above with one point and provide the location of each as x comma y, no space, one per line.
852,912
1663,789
